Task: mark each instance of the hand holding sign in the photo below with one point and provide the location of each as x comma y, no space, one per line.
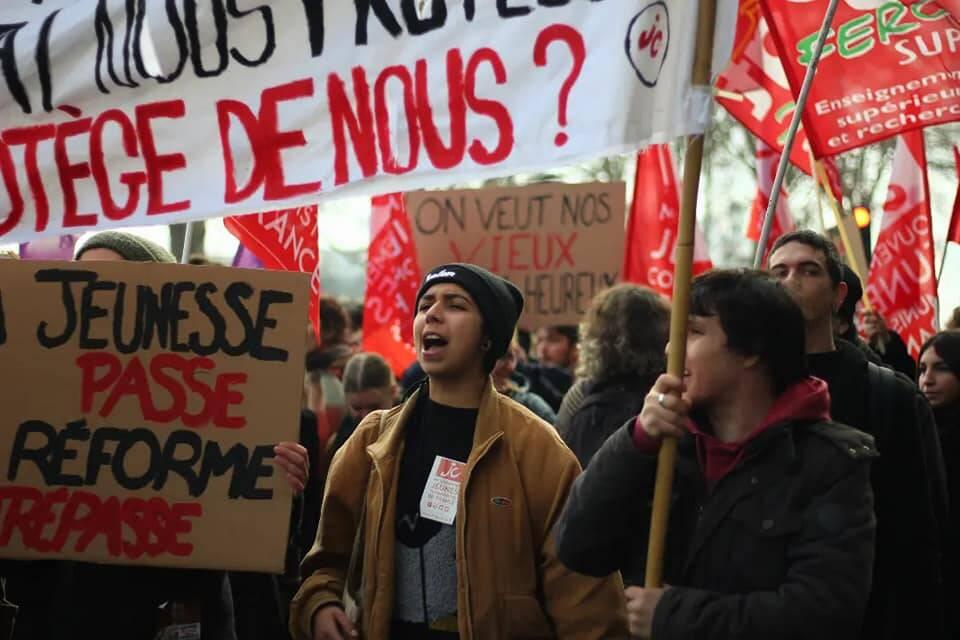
293,461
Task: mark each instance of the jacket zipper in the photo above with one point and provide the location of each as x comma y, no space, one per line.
380,519
462,518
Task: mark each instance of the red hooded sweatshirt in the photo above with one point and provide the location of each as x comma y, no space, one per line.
806,400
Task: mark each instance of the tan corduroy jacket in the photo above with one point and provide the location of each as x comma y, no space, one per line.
510,583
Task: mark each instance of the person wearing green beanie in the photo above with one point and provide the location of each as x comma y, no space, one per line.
121,245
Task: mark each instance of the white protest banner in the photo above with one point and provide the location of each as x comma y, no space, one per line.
118,112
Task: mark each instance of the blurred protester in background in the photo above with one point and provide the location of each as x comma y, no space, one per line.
369,386
844,320
354,336
954,322
623,338
940,383
558,346
511,383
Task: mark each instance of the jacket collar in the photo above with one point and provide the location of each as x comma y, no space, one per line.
488,429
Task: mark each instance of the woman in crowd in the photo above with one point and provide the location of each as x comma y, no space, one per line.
515,386
369,386
439,513
940,383
621,354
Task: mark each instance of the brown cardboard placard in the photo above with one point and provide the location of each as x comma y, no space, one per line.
561,244
141,404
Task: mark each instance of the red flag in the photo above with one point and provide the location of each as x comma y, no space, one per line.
284,240
767,161
884,71
393,277
950,6
953,232
902,284
754,89
652,227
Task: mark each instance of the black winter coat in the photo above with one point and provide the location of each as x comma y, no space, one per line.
603,409
909,485
781,548
948,423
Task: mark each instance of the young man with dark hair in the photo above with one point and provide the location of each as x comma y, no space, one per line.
448,501
771,528
908,480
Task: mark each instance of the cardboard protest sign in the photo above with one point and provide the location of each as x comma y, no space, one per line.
561,244
118,113
141,404
886,68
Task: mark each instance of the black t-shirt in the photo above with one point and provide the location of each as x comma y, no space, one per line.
425,605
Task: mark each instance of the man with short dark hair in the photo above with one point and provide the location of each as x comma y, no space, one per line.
908,480
559,346
771,529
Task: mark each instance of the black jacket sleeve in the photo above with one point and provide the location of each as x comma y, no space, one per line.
826,588
607,516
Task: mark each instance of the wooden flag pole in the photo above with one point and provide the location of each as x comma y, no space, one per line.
859,269
816,192
792,134
187,244
683,274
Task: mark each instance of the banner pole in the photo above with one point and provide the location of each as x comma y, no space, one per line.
816,193
859,269
187,244
683,274
792,134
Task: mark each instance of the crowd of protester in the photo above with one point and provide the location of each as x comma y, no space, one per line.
815,491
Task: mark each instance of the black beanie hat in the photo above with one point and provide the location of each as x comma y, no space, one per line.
128,246
499,300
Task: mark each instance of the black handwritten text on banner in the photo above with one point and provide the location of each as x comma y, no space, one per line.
560,243
140,417
118,113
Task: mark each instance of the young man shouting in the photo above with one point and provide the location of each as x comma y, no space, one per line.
771,529
454,494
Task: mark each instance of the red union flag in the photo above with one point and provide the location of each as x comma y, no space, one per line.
886,68
652,228
951,6
953,232
393,277
902,285
767,161
285,240
755,90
